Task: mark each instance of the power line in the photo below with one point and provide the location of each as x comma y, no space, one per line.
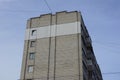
10,10
109,73
109,43
48,5
108,47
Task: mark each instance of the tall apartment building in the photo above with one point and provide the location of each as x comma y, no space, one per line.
58,47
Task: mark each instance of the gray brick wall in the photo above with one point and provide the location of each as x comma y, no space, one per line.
60,56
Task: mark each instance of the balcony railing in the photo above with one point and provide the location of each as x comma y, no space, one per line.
90,65
88,42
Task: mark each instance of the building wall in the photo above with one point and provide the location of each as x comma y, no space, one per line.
57,55
62,46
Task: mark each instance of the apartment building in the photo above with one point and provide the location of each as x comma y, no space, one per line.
58,47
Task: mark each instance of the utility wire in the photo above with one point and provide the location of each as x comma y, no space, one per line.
109,73
12,10
48,5
108,48
108,43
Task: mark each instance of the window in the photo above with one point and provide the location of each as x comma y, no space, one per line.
32,56
30,68
32,44
33,32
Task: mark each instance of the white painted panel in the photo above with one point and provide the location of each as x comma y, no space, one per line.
53,28
62,29
26,34
79,27
66,29
43,32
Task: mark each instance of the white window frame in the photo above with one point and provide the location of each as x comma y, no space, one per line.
33,32
30,68
32,55
32,43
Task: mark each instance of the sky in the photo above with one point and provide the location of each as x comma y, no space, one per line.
101,17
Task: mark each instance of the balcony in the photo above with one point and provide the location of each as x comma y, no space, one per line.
90,65
89,54
88,42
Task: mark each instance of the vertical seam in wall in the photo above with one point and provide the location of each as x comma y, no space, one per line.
78,46
55,49
27,53
49,47
35,54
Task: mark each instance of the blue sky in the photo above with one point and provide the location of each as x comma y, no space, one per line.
102,19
